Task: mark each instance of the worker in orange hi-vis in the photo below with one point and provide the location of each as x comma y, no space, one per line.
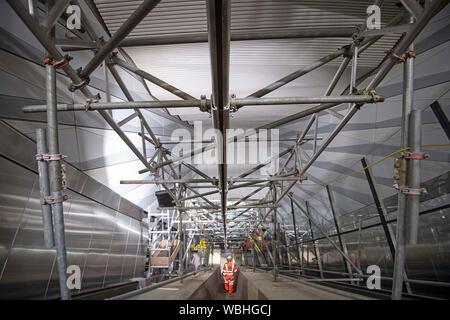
229,274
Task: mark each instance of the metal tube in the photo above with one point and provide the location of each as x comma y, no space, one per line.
364,45
353,70
44,188
167,181
285,192
217,207
359,248
119,105
273,178
309,100
315,242
219,25
181,239
297,246
86,25
140,13
212,146
262,165
213,181
240,36
381,209
197,171
56,12
428,13
32,8
247,36
330,138
107,86
329,90
316,128
55,180
144,146
413,179
399,262
286,162
274,235
160,83
344,255
249,195
273,86
41,35
299,115
127,119
53,52
128,95
125,139
336,219
337,76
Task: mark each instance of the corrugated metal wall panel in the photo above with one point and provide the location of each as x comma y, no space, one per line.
175,17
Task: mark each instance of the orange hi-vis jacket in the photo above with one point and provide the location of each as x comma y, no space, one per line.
228,272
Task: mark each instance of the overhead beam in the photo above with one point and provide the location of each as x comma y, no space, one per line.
56,11
48,44
160,83
163,113
140,13
202,37
364,45
191,103
400,49
212,181
219,21
295,75
413,7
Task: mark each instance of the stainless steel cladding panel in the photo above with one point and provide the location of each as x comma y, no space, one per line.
104,243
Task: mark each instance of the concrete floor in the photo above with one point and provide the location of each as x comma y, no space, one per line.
176,290
288,289
251,286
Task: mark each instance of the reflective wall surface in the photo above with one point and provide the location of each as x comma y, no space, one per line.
106,244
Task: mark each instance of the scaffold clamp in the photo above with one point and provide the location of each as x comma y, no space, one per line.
203,104
413,191
75,86
233,106
57,64
89,101
399,58
50,157
54,200
415,155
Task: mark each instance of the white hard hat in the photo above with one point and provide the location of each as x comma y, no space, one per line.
229,258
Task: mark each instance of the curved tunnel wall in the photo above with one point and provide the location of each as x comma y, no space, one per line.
104,234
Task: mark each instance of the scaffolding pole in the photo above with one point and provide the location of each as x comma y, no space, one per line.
399,262
55,180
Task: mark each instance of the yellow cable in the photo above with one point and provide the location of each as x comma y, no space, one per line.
351,173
